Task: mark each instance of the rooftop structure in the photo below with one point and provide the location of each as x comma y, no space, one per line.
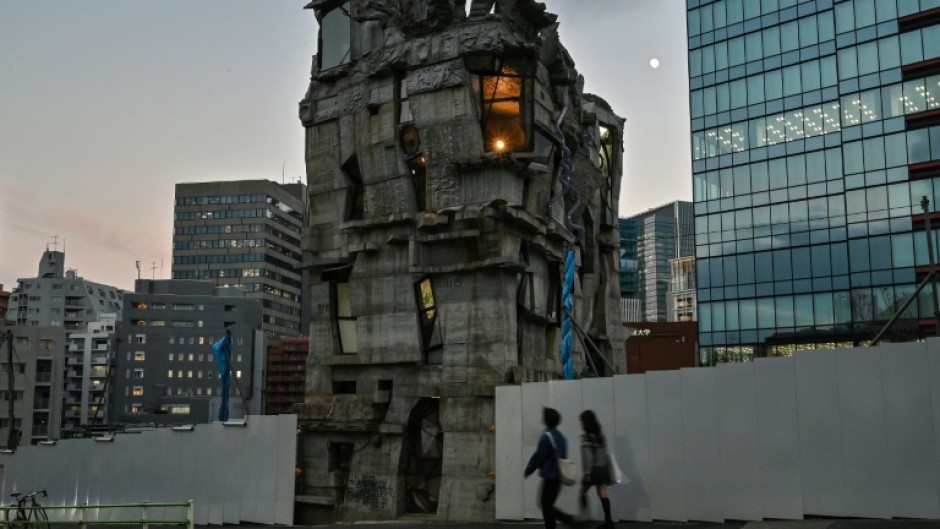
60,298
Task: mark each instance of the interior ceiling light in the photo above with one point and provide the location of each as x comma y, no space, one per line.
500,145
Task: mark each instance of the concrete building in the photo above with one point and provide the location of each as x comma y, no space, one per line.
244,234
165,372
38,364
88,379
60,298
682,305
814,139
440,184
4,303
286,375
649,240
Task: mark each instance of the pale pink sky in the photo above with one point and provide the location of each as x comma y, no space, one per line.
106,104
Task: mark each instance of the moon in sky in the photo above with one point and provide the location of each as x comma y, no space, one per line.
654,63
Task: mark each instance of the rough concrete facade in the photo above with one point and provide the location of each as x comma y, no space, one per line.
437,139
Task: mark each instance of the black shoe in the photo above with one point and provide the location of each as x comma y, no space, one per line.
606,525
566,519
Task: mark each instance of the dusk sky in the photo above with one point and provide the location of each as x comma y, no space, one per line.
106,104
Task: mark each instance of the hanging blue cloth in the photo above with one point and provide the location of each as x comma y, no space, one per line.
567,303
222,351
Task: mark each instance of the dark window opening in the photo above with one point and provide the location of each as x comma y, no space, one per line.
385,385
335,37
607,159
419,174
344,387
430,328
553,304
355,208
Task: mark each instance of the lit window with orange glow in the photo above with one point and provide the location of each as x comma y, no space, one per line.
501,89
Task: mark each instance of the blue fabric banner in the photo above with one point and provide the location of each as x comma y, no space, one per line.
222,352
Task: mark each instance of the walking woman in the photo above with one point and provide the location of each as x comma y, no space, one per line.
552,445
597,471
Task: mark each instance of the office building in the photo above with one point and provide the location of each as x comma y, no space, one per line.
648,241
286,375
38,364
165,372
246,235
60,298
814,139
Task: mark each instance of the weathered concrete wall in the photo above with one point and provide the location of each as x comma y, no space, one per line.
409,187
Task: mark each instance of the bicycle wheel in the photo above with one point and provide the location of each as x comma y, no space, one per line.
20,519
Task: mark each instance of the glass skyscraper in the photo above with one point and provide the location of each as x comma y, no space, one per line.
815,134
648,241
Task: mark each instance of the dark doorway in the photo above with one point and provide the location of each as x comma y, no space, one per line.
422,457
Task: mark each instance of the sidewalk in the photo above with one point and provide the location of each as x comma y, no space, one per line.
537,524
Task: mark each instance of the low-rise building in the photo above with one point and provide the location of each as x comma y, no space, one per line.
4,302
37,364
88,363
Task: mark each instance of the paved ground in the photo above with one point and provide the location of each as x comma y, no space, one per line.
797,524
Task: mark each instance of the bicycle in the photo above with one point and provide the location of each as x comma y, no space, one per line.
32,515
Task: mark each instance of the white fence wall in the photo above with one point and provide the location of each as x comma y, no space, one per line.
850,432
234,473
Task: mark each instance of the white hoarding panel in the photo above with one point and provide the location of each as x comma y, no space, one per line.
821,468
778,438
702,438
631,499
861,409
667,449
912,485
740,454
509,480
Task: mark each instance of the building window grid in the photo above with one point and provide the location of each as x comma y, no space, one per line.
886,218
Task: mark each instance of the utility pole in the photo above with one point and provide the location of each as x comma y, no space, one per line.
12,437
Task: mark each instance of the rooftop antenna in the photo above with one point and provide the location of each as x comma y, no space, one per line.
55,244
283,166
138,270
161,268
153,270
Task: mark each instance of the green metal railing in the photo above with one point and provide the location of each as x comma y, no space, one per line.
9,514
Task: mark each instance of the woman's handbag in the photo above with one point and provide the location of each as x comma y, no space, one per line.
616,475
567,469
